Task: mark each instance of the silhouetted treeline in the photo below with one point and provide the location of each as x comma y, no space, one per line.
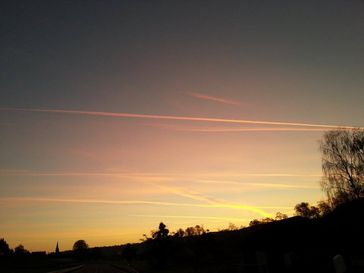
296,244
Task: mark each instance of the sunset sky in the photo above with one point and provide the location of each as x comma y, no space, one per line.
117,115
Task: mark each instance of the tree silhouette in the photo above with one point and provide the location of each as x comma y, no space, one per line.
254,222
179,233
162,232
20,251
80,245
190,231
305,210
343,165
4,248
232,226
280,216
199,230
324,207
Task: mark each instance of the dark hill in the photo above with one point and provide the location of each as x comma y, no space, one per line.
295,244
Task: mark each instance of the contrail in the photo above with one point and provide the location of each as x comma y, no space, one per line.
212,202
98,201
228,130
121,202
14,172
180,118
170,177
133,202
213,98
237,130
190,217
256,185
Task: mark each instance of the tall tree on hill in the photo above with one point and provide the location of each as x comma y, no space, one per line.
343,165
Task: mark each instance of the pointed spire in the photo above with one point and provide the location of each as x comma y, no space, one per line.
57,249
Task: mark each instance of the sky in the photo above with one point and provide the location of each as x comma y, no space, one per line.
117,115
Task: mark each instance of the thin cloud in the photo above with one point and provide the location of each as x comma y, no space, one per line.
204,129
282,186
98,201
213,98
161,216
256,185
151,178
178,118
130,202
16,172
213,202
237,130
120,202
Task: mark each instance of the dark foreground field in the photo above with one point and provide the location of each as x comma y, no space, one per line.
99,268
54,267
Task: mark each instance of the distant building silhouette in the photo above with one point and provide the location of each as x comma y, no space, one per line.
57,249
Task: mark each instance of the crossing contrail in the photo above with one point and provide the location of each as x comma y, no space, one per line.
179,118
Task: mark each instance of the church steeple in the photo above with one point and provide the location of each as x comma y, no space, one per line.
57,249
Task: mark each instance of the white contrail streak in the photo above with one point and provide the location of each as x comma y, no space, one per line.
180,118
